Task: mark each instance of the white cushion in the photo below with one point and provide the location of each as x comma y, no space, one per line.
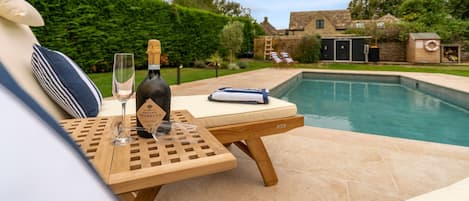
456,192
16,48
20,11
214,114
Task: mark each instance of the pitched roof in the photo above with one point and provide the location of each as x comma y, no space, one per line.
423,36
268,28
388,18
341,19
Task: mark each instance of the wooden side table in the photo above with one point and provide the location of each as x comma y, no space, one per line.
136,171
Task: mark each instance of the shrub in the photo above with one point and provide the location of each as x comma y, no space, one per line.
91,31
224,65
309,49
200,64
242,64
233,66
215,59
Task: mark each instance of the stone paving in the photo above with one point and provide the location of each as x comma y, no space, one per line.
325,164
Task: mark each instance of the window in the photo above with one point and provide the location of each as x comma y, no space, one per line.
360,25
320,24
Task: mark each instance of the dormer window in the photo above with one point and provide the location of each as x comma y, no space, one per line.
380,25
319,24
360,25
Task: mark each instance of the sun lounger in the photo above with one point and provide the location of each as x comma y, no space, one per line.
286,58
229,122
275,58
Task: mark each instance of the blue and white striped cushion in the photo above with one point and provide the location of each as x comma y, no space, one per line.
39,159
66,83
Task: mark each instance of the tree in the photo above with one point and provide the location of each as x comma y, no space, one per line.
231,8
433,16
224,7
369,9
427,12
200,4
232,37
459,8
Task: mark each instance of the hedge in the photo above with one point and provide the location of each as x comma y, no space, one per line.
91,31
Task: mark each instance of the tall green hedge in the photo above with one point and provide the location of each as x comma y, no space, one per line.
91,31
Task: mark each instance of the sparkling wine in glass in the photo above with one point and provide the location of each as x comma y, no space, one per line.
123,81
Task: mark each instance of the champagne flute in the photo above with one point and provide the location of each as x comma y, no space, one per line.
123,81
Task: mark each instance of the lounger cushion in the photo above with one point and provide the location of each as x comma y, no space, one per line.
39,159
66,83
455,192
20,11
16,49
214,114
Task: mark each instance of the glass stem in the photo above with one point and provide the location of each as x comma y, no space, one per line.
123,120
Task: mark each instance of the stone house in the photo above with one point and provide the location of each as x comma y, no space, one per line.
331,26
327,22
268,28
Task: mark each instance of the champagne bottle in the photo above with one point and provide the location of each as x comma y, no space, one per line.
153,96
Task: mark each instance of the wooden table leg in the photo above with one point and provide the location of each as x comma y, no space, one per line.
127,197
148,194
260,155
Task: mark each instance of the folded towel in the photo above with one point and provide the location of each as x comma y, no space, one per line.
229,94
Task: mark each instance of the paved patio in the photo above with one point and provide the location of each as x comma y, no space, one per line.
324,164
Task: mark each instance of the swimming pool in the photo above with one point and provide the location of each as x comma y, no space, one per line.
385,108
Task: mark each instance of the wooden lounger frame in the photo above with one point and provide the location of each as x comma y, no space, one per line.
247,136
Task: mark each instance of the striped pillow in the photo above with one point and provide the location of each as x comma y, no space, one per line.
66,83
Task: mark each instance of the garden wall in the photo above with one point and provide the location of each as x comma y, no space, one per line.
279,43
392,51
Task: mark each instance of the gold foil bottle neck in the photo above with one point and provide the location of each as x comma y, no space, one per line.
154,52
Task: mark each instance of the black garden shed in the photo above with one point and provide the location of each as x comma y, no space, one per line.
344,48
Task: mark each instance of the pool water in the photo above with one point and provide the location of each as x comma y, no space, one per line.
377,108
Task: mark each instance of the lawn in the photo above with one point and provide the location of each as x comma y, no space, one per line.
103,80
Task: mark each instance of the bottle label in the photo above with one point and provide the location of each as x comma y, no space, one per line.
150,115
153,67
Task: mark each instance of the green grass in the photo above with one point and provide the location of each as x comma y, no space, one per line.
103,80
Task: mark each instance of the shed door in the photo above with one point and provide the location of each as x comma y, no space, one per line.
342,50
327,49
358,48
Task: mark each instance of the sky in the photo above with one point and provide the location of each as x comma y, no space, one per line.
278,11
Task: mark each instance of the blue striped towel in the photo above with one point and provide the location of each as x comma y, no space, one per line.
228,94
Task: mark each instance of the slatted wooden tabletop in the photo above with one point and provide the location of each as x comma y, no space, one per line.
187,151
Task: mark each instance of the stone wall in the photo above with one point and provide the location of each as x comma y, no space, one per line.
392,51
279,44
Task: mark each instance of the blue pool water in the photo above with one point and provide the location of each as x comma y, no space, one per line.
378,108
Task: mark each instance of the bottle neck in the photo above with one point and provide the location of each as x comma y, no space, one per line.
153,73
